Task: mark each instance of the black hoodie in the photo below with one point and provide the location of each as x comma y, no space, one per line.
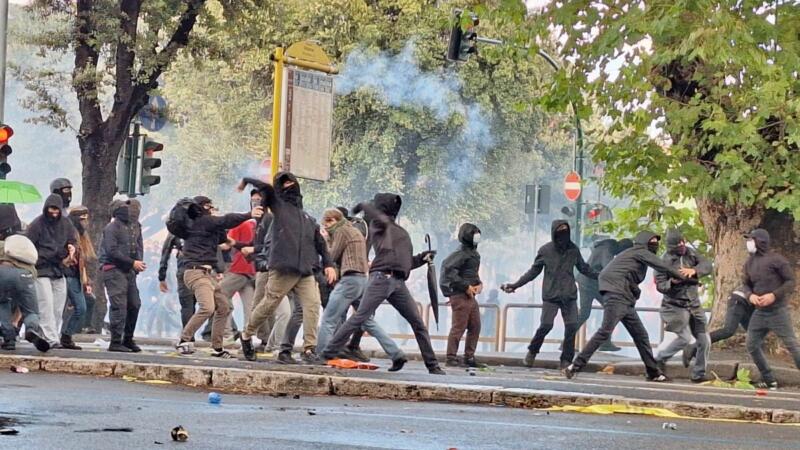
768,272
681,294
558,258
295,242
627,270
119,247
51,236
9,220
460,269
394,252
603,251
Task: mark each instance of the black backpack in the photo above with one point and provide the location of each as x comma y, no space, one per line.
181,216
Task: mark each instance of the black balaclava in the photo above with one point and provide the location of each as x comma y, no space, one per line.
290,194
201,201
388,204
120,211
57,187
560,238
653,246
675,243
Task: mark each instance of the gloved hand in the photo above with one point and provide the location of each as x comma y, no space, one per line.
428,255
357,209
507,288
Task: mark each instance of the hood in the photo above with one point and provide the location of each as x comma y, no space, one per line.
60,183
643,237
120,211
9,221
562,240
674,237
761,236
388,204
292,194
197,209
135,209
53,200
465,234
611,245
344,212
623,245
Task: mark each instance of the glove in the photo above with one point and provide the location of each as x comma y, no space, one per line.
357,209
427,255
507,288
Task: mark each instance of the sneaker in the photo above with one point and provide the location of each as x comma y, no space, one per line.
570,371
68,343
530,358
703,379
355,354
771,385
131,344
37,340
184,348
286,358
116,347
470,362
660,379
309,357
221,353
248,350
688,353
8,345
452,362
398,364
436,371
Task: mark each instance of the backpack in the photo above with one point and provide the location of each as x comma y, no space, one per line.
181,217
361,225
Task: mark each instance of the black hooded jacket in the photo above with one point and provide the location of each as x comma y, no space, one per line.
394,252
603,251
679,293
460,269
295,242
201,247
9,221
120,247
558,258
627,270
51,236
768,272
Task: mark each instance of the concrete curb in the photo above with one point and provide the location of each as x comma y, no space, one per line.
246,381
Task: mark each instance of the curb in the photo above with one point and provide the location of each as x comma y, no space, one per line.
244,381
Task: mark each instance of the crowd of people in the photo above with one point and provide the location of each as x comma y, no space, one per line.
285,267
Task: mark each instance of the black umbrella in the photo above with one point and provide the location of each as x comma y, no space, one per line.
433,289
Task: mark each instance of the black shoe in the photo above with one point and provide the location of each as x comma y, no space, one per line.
771,385
247,349
8,345
702,379
309,357
436,371
355,354
662,366
688,353
37,340
221,353
115,347
68,343
470,362
286,358
452,362
570,371
398,364
660,379
609,347
564,364
530,358
132,345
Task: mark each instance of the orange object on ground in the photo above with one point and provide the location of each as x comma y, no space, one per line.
339,363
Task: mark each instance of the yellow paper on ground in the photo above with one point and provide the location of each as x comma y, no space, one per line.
617,409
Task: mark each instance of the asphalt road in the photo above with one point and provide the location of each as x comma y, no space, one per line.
53,411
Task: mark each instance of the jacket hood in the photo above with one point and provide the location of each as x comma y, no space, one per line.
564,240
120,211
60,183
466,233
9,221
761,236
291,194
388,204
555,225
53,200
674,237
643,237
623,245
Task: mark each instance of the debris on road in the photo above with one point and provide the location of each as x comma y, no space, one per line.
296,397
311,412
608,370
8,431
179,434
104,430
19,369
669,426
214,398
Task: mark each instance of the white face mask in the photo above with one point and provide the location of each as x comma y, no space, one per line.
751,246
476,238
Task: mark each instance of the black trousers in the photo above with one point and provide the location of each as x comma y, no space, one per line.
588,293
123,298
569,314
737,314
618,310
186,299
382,287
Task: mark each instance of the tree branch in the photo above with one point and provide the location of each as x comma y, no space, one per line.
84,76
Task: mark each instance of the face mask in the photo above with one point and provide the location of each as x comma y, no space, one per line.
67,198
681,249
476,238
751,246
653,247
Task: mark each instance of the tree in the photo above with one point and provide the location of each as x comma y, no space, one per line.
701,98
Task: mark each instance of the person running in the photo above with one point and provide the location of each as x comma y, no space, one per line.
558,258
619,286
393,263
770,278
738,312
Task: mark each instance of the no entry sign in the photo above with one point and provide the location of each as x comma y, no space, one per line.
572,186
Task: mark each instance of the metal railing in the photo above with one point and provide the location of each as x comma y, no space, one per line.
495,340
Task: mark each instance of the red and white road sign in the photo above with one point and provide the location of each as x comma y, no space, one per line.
572,186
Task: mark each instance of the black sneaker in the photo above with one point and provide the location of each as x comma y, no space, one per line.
659,379
309,357
8,345
286,358
132,345
452,362
688,353
530,358
703,379
355,354
37,340
570,371
771,385
436,371
221,353
68,343
116,347
247,349
398,364
470,362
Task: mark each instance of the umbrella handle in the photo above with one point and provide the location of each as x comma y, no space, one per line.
428,241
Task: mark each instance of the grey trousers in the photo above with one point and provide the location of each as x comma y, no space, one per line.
779,322
679,323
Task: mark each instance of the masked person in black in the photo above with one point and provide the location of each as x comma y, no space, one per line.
296,247
739,312
619,286
603,252
559,259
63,188
121,259
681,310
393,263
770,278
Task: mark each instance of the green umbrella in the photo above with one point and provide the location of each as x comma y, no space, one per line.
16,192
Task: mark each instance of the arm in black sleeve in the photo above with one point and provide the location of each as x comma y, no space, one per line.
703,266
532,273
451,275
787,274
585,268
229,221
378,220
270,200
663,282
166,251
322,249
659,265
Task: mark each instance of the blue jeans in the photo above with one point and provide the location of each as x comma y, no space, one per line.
75,298
348,290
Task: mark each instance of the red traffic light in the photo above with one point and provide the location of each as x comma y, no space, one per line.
594,213
153,146
5,133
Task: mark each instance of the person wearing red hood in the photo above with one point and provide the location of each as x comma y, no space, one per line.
770,278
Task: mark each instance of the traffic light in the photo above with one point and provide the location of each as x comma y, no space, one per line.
5,150
149,162
597,213
463,38
126,167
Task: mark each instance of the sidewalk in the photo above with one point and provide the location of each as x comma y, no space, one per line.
501,385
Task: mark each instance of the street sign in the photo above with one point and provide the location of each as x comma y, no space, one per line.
153,114
307,124
572,186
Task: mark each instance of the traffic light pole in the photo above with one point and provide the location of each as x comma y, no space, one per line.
3,34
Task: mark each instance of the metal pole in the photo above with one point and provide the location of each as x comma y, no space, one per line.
276,111
3,34
535,217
